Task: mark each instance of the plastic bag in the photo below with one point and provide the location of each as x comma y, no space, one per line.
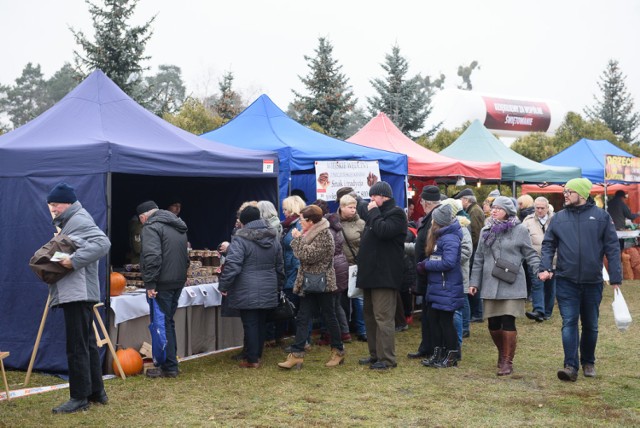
158,334
353,277
621,313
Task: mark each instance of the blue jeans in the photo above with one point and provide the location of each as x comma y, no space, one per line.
457,323
358,316
466,314
579,302
543,295
168,302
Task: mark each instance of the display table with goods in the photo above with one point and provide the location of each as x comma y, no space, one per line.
200,326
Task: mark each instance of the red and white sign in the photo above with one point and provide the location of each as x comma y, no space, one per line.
516,115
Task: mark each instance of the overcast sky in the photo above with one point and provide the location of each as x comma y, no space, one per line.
547,49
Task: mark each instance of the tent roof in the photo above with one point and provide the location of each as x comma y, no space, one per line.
589,155
263,125
477,143
98,128
381,133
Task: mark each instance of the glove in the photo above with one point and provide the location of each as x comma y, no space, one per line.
421,269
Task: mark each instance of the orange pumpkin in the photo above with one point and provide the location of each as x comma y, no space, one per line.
130,360
118,283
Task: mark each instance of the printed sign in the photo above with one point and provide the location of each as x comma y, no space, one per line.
622,168
516,115
332,175
267,165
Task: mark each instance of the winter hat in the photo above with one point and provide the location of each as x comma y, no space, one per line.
582,186
430,193
443,215
465,192
506,204
456,205
381,188
62,193
249,214
146,207
343,191
494,193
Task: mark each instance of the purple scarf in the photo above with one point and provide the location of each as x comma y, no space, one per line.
496,227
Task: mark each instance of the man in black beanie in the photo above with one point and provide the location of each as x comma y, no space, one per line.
380,271
76,294
164,261
429,200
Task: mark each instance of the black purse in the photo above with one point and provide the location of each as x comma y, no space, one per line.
284,311
504,270
314,282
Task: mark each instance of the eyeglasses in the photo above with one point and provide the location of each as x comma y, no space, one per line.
568,192
497,209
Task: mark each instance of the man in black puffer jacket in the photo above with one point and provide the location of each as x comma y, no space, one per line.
164,261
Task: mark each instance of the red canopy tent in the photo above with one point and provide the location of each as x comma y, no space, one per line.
381,133
424,165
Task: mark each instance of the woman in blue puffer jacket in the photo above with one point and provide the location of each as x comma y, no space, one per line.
445,291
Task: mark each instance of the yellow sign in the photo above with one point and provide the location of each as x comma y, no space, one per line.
621,168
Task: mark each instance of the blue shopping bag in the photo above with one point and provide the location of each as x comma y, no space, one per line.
158,333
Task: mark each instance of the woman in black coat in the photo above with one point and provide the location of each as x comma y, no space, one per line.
252,275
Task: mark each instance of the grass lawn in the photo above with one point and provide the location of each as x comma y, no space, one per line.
213,391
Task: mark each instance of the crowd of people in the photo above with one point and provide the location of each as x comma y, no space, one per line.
461,262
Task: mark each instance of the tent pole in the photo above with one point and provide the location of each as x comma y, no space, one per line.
107,297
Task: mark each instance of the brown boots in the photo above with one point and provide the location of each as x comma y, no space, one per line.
505,341
337,358
294,359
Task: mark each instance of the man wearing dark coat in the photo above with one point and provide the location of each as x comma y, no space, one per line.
380,269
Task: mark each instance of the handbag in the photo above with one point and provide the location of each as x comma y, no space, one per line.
621,313
158,334
284,311
504,270
314,282
353,291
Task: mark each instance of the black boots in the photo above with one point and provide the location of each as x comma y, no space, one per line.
442,358
434,358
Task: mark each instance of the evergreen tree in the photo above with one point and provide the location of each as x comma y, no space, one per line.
465,74
27,99
616,106
165,90
118,49
330,99
405,100
229,103
61,83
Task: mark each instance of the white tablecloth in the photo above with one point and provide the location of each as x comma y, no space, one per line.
134,305
626,234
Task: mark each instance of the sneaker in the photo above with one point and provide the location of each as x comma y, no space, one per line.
466,334
536,316
346,338
158,372
568,374
402,328
476,319
589,370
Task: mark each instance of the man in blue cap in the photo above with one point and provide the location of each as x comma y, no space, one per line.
580,234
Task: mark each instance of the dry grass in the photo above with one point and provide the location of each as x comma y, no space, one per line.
213,391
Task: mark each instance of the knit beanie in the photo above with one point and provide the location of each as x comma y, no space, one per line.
249,214
494,193
582,186
506,204
443,215
456,205
381,188
430,193
146,207
62,193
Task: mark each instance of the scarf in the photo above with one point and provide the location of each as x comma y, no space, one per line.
286,223
497,227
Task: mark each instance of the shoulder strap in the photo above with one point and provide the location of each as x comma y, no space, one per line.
355,258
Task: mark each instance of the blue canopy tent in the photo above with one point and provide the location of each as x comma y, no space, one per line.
588,155
264,126
116,154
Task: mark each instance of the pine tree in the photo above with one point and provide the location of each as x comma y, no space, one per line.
27,99
405,100
330,99
616,106
165,90
118,49
229,103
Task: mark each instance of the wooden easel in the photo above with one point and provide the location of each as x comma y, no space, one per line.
99,341
4,355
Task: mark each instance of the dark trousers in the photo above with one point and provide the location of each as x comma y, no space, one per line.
441,329
426,346
83,359
310,304
168,303
475,302
255,330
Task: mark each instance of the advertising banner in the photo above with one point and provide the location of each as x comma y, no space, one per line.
622,168
332,175
516,115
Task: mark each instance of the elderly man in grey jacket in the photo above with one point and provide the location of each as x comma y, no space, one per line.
76,294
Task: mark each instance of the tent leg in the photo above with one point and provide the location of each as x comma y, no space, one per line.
38,337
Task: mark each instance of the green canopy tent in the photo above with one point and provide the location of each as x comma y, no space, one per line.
478,144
